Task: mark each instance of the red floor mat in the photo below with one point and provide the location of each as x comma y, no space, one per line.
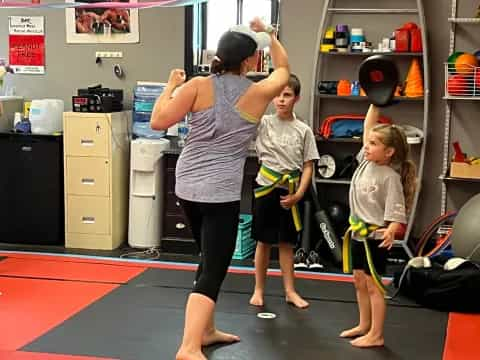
29,308
63,269
22,355
463,337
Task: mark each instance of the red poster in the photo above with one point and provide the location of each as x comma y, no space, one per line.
27,50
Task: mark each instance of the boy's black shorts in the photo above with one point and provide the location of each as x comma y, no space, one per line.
359,257
271,222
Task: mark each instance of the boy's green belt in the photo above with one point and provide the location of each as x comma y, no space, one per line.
362,229
279,179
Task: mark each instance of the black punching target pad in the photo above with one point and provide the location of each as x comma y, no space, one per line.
378,76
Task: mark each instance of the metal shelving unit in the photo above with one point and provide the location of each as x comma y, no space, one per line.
329,9
364,98
450,100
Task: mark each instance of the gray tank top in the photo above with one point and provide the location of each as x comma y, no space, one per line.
210,167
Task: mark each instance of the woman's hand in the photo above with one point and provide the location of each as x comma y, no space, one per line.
177,77
257,25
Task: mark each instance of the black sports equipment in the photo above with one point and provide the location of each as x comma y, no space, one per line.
326,228
378,77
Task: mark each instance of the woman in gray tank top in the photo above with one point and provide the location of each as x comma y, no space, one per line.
226,108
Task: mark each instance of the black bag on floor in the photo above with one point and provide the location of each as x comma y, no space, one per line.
453,290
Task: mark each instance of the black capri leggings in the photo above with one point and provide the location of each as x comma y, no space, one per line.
214,227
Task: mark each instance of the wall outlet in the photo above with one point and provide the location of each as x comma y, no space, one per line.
108,54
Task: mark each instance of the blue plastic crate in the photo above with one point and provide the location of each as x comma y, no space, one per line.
245,245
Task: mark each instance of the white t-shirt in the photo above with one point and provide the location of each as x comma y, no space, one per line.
284,145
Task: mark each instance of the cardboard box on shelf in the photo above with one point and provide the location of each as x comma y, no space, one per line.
464,170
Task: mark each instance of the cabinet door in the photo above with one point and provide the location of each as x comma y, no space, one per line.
32,193
87,136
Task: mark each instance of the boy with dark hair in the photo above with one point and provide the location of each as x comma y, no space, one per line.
286,149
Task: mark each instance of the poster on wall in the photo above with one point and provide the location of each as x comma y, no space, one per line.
102,25
26,38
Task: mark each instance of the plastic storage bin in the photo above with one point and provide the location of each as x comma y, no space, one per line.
144,96
245,245
46,116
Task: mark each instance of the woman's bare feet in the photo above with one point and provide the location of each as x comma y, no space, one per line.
217,336
256,299
187,355
367,341
354,332
296,300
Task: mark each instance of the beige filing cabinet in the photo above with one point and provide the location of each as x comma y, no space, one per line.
96,156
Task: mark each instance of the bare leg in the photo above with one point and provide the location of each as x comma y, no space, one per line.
214,336
374,337
286,264
198,314
262,258
363,300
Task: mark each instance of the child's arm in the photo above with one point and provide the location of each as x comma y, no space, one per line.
288,201
373,115
389,234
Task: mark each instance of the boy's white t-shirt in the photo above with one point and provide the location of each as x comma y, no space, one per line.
284,146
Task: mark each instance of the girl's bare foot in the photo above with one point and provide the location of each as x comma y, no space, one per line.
256,299
354,332
367,341
297,300
217,336
187,355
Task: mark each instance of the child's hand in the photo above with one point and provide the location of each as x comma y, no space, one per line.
388,236
289,200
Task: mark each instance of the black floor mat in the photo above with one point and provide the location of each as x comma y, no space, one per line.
143,320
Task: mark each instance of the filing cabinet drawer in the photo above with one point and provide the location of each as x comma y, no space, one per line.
87,136
173,204
88,214
89,241
176,226
88,176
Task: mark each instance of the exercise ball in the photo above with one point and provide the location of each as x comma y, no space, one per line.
466,230
457,85
465,63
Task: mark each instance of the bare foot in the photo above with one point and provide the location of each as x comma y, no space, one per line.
354,332
217,336
367,341
187,355
256,299
295,299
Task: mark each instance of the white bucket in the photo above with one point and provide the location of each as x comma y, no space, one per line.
46,116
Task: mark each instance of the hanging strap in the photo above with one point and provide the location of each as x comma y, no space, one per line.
292,178
359,227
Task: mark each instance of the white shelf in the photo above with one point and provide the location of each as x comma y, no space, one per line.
333,181
373,11
449,97
371,53
464,20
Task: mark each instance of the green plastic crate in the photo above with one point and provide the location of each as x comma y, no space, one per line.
245,245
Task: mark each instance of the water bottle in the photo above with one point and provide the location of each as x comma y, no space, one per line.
183,131
145,95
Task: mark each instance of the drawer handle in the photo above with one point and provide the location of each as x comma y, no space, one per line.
180,226
26,148
86,142
177,203
88,219
87,181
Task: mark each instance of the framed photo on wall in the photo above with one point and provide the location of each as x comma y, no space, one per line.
102,25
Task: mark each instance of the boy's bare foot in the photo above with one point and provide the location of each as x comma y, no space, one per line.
256,299
367,341
217,336
297,300
354,332
187,355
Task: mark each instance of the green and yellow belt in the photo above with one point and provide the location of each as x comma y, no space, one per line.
362,229
291,178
